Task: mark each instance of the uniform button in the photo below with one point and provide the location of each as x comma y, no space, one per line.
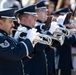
23,66
47,65
23,70
45,55
46,60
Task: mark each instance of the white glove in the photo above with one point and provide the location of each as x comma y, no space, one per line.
31,34
61,19
53,27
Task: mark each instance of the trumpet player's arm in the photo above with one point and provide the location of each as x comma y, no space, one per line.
8,51
70,39
38,46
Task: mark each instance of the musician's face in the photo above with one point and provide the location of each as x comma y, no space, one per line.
42,15
45,15
30,21
51,8
67,2
7,25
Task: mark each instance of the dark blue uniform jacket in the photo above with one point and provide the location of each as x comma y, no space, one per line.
11,53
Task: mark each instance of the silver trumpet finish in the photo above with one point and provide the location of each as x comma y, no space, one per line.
47,39
61,31
67,31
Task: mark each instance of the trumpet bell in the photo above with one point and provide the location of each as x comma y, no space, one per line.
48,39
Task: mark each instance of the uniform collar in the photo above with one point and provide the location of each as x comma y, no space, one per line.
25,26
39,23
3,32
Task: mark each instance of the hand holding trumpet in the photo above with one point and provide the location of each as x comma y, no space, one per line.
36,37
32,35
43,38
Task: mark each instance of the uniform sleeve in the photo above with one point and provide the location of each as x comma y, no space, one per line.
70,39
10,52
38,46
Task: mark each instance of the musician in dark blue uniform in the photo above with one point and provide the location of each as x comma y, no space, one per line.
64,51
12,51
36,65
64,64
42,20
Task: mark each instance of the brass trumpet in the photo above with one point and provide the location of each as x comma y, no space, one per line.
47,39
